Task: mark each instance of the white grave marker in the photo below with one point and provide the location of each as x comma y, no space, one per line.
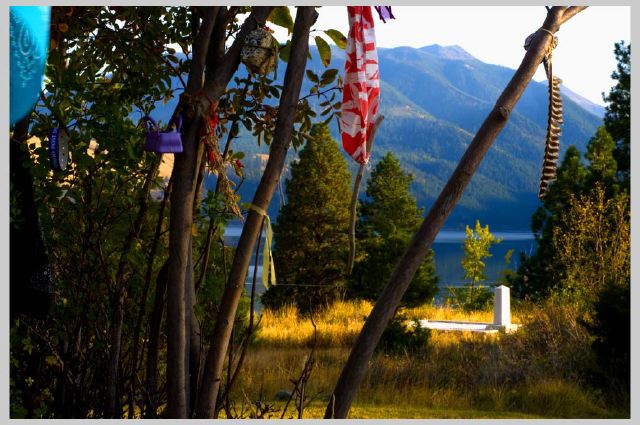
502,306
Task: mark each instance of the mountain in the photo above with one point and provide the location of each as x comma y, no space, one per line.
595,109
434,99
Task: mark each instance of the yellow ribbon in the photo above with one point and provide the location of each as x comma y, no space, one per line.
268,267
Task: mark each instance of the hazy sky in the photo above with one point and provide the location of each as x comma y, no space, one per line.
584,57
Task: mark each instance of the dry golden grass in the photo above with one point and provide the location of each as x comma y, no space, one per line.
337,327
446,312
463,373
340,324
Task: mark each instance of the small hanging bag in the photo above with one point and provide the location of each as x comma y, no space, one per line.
169,141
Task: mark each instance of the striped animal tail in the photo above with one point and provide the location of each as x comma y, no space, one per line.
552,141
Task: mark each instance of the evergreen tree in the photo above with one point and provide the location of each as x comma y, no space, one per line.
583,233
602,164
617,117
538,272
388,220
311,235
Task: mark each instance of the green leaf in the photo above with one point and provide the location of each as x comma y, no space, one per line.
324,50
285,52
312,76
234,129
274,92
327,110
338,38
281,16
328,77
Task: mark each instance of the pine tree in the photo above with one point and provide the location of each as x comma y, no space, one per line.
602,164
538,272
389,218
617,117
311,235
583,234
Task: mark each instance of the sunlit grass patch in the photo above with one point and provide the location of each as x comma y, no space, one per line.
338,326
534,372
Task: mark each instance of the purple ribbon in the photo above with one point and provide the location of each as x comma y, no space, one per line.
384,12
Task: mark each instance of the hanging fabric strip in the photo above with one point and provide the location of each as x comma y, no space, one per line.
268,266
384,13
361,92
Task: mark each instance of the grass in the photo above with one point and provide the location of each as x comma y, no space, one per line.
338,326
535,372
316,410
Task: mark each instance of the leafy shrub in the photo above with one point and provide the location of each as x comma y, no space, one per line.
612,331
473,298
401,337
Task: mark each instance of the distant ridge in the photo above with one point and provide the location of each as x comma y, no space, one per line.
453,52
435,99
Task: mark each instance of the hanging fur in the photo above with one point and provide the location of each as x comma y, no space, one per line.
260,51
554,121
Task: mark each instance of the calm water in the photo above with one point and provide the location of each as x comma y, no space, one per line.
448,254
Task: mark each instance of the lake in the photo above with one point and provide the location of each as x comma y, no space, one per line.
448,254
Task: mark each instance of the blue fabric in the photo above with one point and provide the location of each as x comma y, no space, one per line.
29,44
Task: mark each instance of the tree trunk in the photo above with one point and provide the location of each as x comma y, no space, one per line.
354,198
154,343
356,366
195,345
281,142
184,175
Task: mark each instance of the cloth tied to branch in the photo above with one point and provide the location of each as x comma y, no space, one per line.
207,132
361,91
268,266
384,13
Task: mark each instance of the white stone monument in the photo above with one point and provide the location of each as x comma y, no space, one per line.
502,307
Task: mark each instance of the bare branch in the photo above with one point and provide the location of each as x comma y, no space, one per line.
200,49
571,12
217,83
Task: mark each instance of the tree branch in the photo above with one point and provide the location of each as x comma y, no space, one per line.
218,82
570,12
264,192
201,48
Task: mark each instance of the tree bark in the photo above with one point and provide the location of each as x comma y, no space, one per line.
233,289
354,198
181,219
356,366
151,408
184,175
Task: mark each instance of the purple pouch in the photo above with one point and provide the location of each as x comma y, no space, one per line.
169,141
58,148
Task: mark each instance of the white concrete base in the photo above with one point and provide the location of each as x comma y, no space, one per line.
452,325
501,317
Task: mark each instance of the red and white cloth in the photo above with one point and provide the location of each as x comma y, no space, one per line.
361,91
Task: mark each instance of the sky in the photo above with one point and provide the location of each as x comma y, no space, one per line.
584,57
